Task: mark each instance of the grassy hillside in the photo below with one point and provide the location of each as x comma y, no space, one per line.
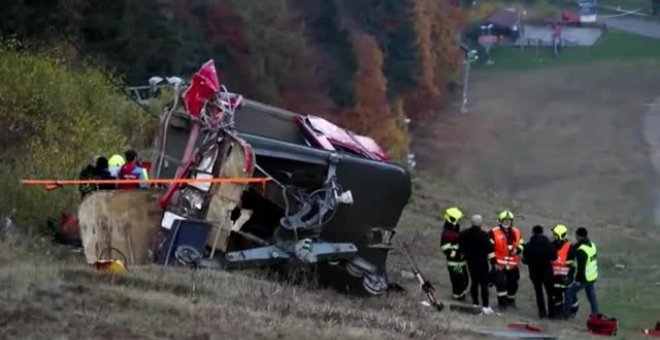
50,293
565,140
628,268
560,144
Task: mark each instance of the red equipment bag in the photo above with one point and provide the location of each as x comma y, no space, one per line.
525,327
655,333
601,325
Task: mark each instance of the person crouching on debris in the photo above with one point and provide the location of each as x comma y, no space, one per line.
476,246
131,170
586,267
507,247
538,255
561,268
87,173
97,170
456,264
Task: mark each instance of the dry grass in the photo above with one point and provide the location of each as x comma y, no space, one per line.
46,298
52,293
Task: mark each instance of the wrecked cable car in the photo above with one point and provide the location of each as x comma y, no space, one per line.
299,191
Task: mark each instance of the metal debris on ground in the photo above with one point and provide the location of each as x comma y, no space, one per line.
425,285
511,334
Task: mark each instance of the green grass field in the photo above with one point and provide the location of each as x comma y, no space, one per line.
612,46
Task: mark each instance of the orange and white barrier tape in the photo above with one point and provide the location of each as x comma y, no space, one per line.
53,184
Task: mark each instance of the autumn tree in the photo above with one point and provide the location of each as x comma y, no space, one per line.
276,63
225,34
392,26
371,115
330,50
139,39
297,54
439,55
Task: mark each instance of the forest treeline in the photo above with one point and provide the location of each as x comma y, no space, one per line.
366,64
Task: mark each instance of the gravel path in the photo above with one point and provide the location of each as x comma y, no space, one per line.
634,25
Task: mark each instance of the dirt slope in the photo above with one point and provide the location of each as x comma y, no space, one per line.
566,139
561,144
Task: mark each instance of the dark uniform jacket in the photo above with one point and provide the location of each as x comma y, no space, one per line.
92,173
538,254
449,244
476,246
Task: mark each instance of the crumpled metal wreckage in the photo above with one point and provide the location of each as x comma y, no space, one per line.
329,198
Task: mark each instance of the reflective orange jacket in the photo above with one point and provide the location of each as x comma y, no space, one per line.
507,255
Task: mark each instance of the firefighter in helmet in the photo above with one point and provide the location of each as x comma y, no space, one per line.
456,264
561,269
507,249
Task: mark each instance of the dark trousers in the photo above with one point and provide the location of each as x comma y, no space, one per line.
571,295
458,275
479,280
540,283
506,282
558,296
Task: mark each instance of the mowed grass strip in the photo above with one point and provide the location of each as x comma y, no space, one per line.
612,46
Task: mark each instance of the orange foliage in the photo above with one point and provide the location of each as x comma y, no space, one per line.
371,115
436,23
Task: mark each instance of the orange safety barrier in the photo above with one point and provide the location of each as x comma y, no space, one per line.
54,184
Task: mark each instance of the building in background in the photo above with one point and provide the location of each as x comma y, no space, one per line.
588,9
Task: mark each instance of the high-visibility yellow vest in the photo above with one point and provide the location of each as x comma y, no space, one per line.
591,265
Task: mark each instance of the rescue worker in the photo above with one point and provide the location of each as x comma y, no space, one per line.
586,272
475,244
131,170
507,248
96,170
539,253
115,163
456,264
561,269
